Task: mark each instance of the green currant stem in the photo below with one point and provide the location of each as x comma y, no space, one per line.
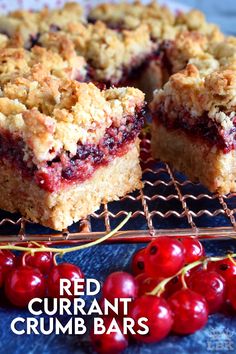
230,256
160,288
63,251
55,258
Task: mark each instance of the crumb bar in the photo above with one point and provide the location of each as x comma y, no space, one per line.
194,124
66,147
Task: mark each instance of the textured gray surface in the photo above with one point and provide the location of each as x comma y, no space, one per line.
98,262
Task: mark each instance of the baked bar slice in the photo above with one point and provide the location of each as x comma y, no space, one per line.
194,125
66,147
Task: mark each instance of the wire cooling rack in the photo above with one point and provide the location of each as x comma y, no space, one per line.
168,204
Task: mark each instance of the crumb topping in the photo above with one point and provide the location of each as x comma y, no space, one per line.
18,61
162,23
214,93
109,52
28,24
131,15
52,114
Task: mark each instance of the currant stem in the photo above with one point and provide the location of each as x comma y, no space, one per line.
160,288
230,256
63,251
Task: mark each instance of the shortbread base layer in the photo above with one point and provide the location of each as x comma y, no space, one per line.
199,162
60,209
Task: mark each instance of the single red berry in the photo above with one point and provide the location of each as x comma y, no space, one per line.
138,262
108,343
40,260
158,314
190,311
211,286
165,256
146,284
23,284
193,249
225,267
231,292
63,271
120,285
7,263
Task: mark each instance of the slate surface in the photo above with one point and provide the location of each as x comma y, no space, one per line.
98,262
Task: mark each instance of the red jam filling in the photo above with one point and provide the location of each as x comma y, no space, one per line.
64,170
202,127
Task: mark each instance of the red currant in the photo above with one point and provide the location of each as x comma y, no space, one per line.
165,256
159,316
193,249
146,284
225,267
65,271
23,284
190,311
107,343
120,285
40,260
7,263
231,294
138,262
211,286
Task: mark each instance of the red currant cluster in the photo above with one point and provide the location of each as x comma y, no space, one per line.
174,286
28,276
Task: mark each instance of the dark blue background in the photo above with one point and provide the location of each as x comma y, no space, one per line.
98,262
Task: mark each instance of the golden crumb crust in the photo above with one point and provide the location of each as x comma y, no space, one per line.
162,23
15,62
28,23
214,93
51,114
108,52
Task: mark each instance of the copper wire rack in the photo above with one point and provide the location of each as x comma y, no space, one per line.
168,204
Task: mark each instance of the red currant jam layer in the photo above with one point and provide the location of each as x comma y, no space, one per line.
64,169
202,127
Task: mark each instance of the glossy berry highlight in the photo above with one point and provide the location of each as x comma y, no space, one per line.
190,311
23,284
158,314
165,256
